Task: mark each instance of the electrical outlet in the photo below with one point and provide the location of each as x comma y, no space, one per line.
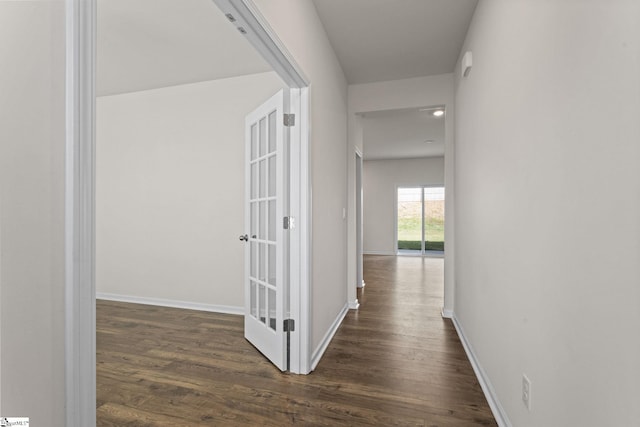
526,391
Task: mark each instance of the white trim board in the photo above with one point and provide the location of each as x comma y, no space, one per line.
80,327
259,33
496,408
324,343
212,308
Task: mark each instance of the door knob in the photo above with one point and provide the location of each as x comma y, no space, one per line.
244,237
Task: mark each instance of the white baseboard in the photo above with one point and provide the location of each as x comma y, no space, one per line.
447,314
319,352
354,305
496,408
226,309
390,253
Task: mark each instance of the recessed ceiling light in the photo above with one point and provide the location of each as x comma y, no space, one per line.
438,113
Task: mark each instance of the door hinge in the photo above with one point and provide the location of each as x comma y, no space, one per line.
289,119
289,325
288,223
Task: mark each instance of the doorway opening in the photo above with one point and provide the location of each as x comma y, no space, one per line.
80,251
420,221
406,148
173,156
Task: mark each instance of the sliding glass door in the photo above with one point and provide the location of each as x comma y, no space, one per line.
420,220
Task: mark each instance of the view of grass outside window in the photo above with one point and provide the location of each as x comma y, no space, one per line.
421,219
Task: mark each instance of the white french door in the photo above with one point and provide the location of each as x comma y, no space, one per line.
265,211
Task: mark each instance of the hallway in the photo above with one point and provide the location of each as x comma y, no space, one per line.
398,345
395,361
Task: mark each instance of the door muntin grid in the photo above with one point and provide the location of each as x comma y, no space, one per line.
263,221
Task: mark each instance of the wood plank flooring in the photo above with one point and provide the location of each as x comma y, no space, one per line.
394,362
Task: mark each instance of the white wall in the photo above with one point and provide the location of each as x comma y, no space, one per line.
170,190
548,207
381,178
32,139
395,95
298,26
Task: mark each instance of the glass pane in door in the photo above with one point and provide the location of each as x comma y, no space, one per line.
434,219
409,219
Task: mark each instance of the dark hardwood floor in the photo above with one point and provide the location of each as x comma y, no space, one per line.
395,361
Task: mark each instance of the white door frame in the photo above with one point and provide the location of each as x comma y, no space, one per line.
80,323
359,221
248,19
